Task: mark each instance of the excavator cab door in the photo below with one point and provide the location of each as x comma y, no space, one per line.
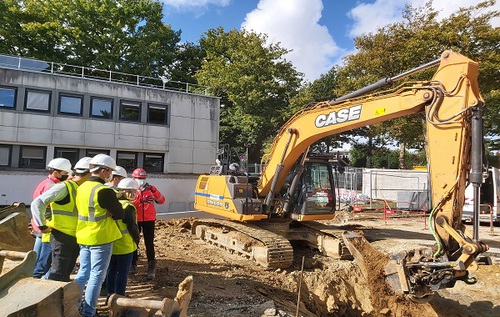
315,194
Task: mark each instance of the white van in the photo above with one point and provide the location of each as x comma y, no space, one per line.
489,198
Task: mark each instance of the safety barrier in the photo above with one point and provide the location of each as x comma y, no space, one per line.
382,210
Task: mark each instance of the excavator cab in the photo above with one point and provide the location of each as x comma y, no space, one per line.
314,194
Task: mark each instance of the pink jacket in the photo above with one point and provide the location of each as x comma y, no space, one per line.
44,186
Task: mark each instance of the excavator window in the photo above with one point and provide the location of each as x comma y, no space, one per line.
315,194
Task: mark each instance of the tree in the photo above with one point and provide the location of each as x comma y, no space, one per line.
421,38
255,83
189,57
121,35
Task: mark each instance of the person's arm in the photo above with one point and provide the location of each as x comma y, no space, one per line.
39,206
130,220
107,199
159,198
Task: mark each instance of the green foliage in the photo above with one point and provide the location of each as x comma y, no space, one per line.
418,39
189,57
383,157
121,35
255,83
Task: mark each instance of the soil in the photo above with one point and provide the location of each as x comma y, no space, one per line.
228,285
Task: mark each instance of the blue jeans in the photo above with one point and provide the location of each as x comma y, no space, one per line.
44,260
37,247
94,262
118,273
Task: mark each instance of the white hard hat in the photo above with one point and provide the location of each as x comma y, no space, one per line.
102,160
128,183
234,167
60,164
120,171
82,166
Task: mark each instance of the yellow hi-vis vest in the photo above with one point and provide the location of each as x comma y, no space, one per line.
46,237
65,217
95,225
126,244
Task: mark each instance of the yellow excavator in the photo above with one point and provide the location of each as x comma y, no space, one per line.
295,190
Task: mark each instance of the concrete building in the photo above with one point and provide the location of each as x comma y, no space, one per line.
52,110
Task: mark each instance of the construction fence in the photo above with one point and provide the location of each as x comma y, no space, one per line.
406,190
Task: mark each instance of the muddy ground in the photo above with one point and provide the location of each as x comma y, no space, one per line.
227,285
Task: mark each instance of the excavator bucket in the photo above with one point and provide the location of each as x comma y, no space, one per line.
395,274
395,271
120,305
20,294
14,230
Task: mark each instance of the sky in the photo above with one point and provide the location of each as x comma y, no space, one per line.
319,32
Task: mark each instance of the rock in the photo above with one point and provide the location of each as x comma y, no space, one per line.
270,312
385,312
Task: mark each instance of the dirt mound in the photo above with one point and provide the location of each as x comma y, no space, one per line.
228,285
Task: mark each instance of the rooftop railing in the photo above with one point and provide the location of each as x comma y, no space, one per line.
23,63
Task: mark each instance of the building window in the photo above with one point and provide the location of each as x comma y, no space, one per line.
73,155
153,162
8,97
70,104
157,114
127,160
5,151
32,157
101,108
130,111
38,100
92,153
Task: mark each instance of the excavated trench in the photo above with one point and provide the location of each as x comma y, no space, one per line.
352,288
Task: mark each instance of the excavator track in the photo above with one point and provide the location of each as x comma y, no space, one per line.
339,234
266,248
329,240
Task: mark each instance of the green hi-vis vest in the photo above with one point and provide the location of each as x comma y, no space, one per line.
95,225
65,217
126,244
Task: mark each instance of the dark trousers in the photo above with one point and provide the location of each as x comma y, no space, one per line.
148,231
44,259
116,280
65,251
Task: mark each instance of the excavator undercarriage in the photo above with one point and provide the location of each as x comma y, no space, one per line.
269,243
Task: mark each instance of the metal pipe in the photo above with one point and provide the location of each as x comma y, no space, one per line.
385,82
295,182
279,168
476,174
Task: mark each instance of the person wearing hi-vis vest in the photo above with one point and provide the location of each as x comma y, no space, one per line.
59,169
96,230
123,249
62,200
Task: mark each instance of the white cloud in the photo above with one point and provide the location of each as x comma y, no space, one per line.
190,4
295,25
368,17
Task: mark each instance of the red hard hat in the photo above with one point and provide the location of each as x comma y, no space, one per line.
139,173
